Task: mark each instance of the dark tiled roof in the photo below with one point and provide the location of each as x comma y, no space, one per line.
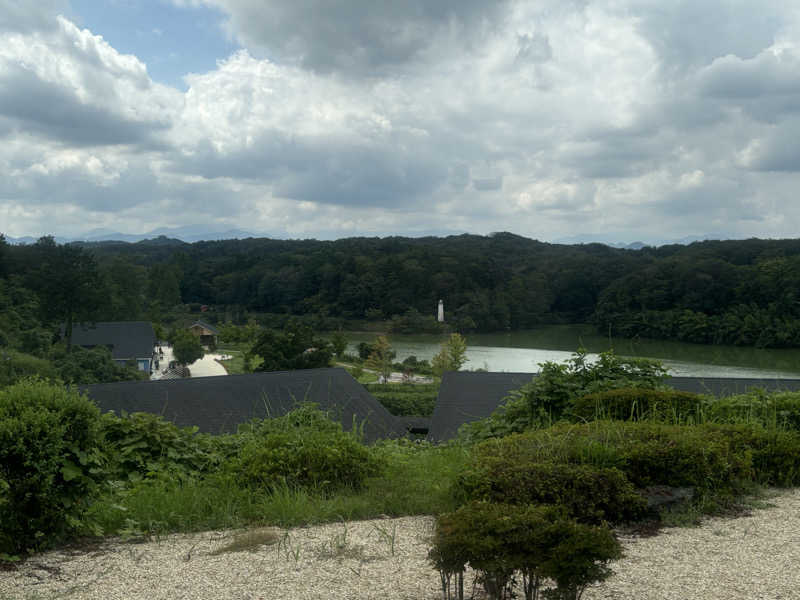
127,339
729,386
465,397
220,404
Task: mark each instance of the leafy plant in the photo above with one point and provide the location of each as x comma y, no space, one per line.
548,397
537,542
50,463
142,445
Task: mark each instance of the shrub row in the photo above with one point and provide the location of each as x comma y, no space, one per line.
640,404
589,468
56,448
407,399
777,410
589,494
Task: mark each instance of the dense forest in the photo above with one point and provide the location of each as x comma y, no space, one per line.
733,292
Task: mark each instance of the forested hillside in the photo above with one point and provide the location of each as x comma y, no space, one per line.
739,292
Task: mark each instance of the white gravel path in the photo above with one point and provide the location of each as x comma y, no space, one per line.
753,557
207,366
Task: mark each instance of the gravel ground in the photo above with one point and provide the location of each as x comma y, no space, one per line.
745,558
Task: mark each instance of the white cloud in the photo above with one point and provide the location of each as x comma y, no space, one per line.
548,119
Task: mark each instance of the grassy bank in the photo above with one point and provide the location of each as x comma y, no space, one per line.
417,479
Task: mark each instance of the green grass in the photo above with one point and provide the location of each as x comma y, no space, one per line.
235,366
406,399
418,480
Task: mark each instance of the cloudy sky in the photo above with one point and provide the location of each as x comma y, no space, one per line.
623,119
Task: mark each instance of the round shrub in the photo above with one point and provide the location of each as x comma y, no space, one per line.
49,459
303,448
640,404
589,494
537,542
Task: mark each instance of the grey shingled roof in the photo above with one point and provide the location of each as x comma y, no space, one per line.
465,397
220,404
468,396
127,339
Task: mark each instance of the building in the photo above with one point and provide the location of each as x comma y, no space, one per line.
208,335
127,340
220,404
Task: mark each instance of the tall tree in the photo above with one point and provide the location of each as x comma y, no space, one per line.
452,355
380,359
68,284
294,348
186,347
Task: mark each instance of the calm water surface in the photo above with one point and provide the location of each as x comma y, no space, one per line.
522,351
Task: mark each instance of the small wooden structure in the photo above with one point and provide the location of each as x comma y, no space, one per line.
208,335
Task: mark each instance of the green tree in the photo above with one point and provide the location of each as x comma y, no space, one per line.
68,283
186,347
380,359
452,356
293,348
338,343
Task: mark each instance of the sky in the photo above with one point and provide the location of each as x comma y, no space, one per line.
621,120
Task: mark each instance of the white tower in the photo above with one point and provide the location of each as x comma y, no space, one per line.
440,314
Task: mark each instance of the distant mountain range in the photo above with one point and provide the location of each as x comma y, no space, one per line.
188,233
611,240
197,233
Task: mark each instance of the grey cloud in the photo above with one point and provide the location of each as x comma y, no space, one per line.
779,151
766,74
327,171
488,184
690,33
26,16
49,110
613,153
357,37
534,48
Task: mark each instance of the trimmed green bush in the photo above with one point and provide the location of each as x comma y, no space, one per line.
538,542
305,449
775,453
647,453
777,410
589,494
406,399
640,404
49,463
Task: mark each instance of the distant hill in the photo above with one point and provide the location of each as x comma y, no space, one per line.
188,234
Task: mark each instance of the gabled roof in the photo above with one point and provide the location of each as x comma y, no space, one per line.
127,339
205,325
469,396
221,404
465,397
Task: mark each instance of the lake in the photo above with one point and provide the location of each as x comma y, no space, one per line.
522,351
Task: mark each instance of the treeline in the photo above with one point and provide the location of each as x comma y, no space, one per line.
733,292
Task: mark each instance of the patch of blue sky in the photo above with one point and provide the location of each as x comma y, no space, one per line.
172,40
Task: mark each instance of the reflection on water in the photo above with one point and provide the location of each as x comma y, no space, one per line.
522,351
